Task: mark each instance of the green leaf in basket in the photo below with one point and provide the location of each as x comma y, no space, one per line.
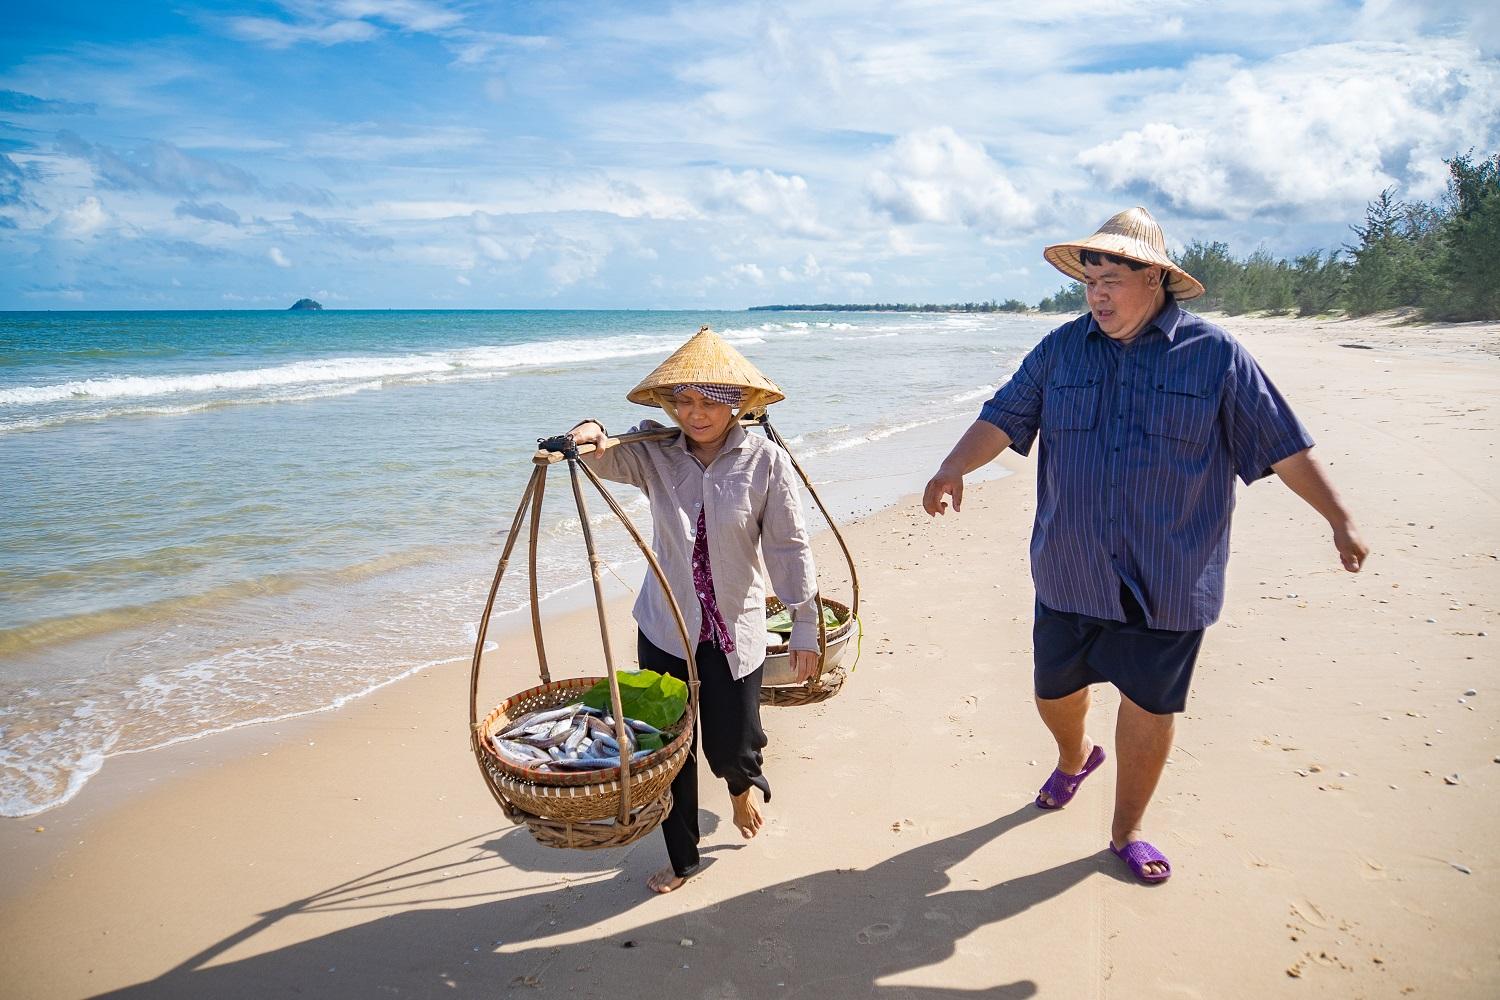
781,621
648,741
650,697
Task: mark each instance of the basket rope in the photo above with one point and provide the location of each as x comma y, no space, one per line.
823,684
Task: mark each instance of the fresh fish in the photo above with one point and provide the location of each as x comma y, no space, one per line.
554,753
553,715
642,727
597,763
576,737
548,742
519,753
529,719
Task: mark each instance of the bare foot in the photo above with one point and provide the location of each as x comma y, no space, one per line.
665,881
1071,764
746,816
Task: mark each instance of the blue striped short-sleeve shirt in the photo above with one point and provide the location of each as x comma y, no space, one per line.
1140,445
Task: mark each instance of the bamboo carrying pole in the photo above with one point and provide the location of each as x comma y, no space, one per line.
552,451
763,421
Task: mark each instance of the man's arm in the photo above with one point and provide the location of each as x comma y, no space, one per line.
981,444
1305,477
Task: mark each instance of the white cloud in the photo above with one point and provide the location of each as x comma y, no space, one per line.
281,34
506,248
936,175
1323,129
83,220
278,258
576,260
782,200
462,279
747,273
807,269
412,15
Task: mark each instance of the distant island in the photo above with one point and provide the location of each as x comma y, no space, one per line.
303,305
1008,306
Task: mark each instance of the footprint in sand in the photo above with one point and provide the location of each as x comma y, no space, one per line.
874,933
776,952
793,894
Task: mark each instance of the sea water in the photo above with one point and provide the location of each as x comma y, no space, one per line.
222,518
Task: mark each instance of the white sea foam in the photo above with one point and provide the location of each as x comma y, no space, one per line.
467,362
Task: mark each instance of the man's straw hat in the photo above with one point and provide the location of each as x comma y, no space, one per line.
706,358
1133,234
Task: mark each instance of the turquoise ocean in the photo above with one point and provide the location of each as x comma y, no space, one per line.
219,519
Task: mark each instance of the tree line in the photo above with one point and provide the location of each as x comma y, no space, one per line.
1441,258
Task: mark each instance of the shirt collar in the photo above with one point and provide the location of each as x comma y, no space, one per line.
1166,321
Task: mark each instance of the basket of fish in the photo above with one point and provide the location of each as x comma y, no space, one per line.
555,751
839,626
585,762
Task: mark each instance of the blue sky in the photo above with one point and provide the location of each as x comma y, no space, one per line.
427,154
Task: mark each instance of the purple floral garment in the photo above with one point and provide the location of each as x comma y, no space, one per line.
714,627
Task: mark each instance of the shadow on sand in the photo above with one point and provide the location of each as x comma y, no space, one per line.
831,934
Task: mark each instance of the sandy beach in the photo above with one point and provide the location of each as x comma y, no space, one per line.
1325,809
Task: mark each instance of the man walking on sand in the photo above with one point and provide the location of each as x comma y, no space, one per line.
1146,413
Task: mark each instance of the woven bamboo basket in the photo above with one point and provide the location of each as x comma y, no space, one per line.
574,796
778,683
778,669
583,810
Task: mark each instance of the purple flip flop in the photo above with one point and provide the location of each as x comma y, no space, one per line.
1138,854
1062,786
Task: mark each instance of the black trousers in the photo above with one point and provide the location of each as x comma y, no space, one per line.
729,719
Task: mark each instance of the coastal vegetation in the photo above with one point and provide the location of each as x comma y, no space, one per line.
1441,259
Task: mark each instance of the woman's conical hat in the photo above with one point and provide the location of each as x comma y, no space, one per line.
1132,233
707,358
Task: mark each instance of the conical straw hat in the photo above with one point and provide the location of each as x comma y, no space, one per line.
1132,233
707,358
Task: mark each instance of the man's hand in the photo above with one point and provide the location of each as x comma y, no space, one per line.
981,443
1304,475
804,665
1352,550
944,484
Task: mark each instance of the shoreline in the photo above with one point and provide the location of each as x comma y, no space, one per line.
861,497
295,858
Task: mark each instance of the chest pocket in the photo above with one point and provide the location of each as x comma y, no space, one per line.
734,501
1071,402
1185,409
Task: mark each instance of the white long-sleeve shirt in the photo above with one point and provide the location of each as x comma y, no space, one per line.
752,508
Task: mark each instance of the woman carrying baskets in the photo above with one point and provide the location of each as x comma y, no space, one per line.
720,500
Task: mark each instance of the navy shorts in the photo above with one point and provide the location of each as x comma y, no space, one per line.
1151,666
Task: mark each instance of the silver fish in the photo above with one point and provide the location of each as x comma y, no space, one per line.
552,715
529,719
519,753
